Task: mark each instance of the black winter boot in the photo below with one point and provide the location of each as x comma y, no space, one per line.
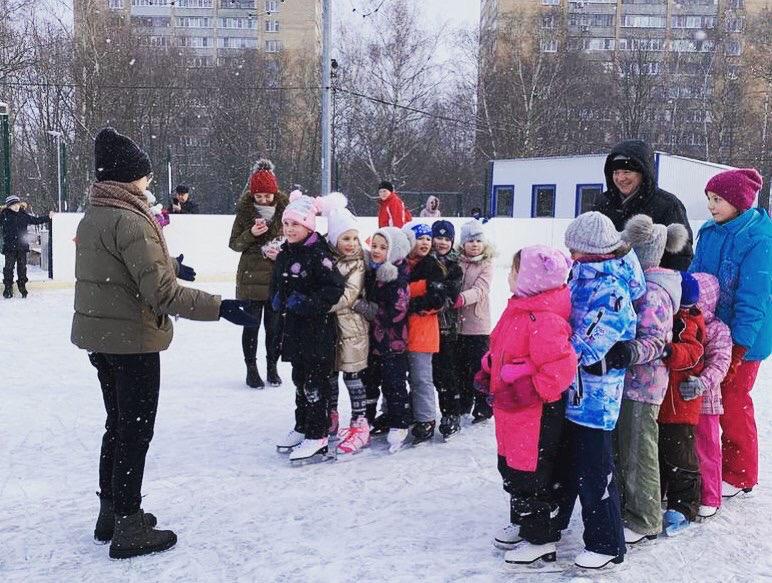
253,376
103,531
274,380
22,289
423,431
8,291
133,537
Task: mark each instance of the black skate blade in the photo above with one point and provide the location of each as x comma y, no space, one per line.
545,558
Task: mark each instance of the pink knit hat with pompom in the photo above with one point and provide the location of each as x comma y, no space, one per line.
303,209
542,268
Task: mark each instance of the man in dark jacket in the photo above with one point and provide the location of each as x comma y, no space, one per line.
631,183
181,203
14,221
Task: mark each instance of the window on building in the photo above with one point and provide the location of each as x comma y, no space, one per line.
642,21
194,3
548,21
236,42
585,197
193,21
196,42
151,2
692,22
243,23
735,24
543,200
271,26
115,3
682,45
641,44
503,201
273,46
271,6
549,45
550,2
736,4
734,47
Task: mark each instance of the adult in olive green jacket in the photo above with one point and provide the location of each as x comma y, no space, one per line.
257,235
126,288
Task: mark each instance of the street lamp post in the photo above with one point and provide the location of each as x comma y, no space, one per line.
58,136
5,130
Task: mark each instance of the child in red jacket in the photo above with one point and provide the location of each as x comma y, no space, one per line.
391,209
531,363
679,414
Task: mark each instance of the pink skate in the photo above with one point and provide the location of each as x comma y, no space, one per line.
354,438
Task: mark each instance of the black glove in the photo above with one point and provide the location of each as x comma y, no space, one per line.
235,311
619,356
184,272
366,309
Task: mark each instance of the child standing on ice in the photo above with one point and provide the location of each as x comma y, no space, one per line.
353,329
304,287
647,376
679,469
605,281
427,296
736,247
386,306
530,365
718,356
474,319
444,362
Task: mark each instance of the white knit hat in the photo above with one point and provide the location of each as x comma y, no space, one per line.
338,222
472,231
592,233
399,248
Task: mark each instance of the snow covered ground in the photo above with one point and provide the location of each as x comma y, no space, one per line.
241,514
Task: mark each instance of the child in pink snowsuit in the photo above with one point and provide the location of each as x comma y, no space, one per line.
718,356
531,363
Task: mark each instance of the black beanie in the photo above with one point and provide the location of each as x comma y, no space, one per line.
387,185
625,163
118,158
182,189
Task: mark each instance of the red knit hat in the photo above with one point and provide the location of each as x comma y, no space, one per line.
263,179
737,187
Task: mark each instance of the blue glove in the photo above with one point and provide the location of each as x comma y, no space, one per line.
235,311
186,273
299,304
276,302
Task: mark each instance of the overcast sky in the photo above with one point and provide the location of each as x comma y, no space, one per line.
457,12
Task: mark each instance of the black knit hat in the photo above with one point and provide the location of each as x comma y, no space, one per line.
182,189
118,158
622,162
387,185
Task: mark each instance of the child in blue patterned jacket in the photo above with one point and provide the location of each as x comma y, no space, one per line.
605,280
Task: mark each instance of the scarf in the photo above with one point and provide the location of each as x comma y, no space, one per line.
123,196
476,258
266,212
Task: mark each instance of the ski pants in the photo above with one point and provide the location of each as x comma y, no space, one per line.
16,259
532,504
679,469
708,445
388,374
445,376
312,394
130,386
470,350
739,438
422,391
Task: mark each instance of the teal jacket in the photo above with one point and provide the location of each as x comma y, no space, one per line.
739,254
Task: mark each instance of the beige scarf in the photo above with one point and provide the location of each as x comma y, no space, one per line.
127,197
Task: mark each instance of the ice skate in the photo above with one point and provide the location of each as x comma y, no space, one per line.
450,425
590,560
526,553
380,426
423,431
274,380
311,451
729,491
396,439
482,412
674,522
706,511
507,538
290,442
633,538
355,438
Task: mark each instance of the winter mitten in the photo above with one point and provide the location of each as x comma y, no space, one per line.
691,388
459,303
517,370
300,304
482,382
184,272
276,302
486,363
366,309
235,311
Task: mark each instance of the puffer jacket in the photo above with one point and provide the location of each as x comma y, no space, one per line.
253,277
427,210
307,268
423,326
602,296
475,316
687,358
353,329
126,285
739,254
718,345
646,380
534,328
448,314
13,225
663,207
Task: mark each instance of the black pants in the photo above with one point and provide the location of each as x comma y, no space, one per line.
130,385
312,396
19,260
585,468
470,350
445,376
388,374
532,503
260,309
679,468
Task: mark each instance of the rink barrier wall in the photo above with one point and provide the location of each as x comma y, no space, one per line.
203,239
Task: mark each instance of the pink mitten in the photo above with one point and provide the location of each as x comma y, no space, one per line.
482,382
485,362
459,303
517,370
